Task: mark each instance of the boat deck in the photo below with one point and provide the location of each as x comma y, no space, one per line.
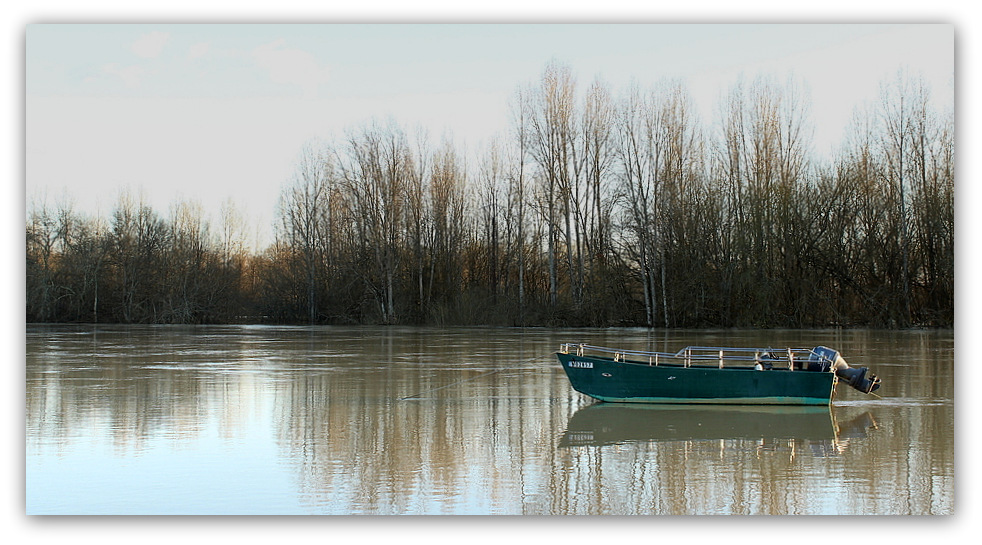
702,356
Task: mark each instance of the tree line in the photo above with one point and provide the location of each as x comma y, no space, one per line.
595,209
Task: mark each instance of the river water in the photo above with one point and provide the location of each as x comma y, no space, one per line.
362,420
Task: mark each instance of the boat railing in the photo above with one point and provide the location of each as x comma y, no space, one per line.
702,355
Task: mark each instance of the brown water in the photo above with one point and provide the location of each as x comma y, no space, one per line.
327,420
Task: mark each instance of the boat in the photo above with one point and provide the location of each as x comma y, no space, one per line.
718,375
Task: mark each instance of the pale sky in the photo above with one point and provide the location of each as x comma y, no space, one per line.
208,112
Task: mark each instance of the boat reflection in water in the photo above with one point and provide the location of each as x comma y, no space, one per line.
766,427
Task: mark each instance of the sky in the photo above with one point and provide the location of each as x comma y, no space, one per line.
211,112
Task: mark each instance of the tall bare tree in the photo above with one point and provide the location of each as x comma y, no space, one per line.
517,187
305,215
552,137
447,185
377,176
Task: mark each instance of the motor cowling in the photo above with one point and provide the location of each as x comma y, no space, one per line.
824,359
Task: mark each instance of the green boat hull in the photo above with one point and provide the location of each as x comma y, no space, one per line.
637,382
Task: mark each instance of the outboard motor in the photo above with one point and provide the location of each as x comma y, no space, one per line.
824,359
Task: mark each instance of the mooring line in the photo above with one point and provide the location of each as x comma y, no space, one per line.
468,379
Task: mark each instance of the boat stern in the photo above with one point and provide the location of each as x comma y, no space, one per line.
826,359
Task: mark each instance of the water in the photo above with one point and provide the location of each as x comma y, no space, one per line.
328,420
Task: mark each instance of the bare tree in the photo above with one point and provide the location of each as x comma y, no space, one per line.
139,239
187,264
447,184
419,222
42,240
305,214
553,147
377,177
638,161
517,188
490,189
898,118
